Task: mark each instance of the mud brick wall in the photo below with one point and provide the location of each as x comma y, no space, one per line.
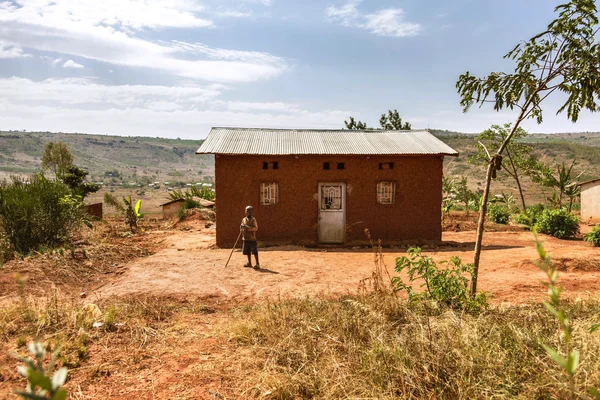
415,216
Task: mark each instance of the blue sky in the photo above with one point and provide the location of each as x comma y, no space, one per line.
174,68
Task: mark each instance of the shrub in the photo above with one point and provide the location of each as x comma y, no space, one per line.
499,214
190,203
530,217
593,237
5,252
446,286
37,213
559,223
520,218
534,212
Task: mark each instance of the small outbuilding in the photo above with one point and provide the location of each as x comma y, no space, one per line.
328,186
95,210
590,201
171,208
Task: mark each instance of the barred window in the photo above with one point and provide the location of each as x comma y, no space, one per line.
269,193
386,192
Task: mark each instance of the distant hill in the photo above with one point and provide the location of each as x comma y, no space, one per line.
110,159
552,149
122,161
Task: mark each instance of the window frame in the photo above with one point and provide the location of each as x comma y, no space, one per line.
381,194
272,198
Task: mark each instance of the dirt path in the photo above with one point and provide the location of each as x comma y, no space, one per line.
189,265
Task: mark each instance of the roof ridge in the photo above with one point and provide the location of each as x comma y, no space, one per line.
274,141
319,130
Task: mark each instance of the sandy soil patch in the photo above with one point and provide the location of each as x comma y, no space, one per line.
189,265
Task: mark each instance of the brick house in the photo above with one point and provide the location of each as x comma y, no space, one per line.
328,186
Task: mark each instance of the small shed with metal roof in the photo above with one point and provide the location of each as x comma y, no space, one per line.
590,201
328,186
171,208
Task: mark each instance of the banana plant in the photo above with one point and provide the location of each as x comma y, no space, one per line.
130,210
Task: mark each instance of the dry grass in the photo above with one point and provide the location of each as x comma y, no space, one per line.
74,325
367,346
376,347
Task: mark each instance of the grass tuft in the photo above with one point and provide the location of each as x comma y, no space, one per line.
377,346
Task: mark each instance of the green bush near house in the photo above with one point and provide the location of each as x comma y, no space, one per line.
559,223
499,214
529,218
593,237
38,212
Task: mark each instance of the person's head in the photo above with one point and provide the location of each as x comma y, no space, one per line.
249,211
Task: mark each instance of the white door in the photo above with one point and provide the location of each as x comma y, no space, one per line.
332,212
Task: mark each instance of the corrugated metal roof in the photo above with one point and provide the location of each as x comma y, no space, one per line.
588,182
307,141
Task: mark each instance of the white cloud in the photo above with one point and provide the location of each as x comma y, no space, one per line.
256,106
347,15
84,105
106,31
86,91
233,14
388,22
253,57
11,51
72,64
133,14
263,2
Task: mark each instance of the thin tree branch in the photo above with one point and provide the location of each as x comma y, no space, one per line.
486,150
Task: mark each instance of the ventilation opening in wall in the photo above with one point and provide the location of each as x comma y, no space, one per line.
274,165
326,165
386,165
341,165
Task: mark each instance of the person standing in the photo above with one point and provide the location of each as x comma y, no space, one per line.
249,227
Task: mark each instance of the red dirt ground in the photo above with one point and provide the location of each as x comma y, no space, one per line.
189,265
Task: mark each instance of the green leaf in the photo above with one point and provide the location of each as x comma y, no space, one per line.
594,392
560,360
30,396
557,313
60,395
572,362
37,378
594,327
59,378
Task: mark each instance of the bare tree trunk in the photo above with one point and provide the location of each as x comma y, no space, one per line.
516,176
480,225
521,194
486,191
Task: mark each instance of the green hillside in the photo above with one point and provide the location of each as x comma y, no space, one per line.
110,159
116,160
552,149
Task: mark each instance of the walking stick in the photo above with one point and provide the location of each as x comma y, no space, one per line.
230,254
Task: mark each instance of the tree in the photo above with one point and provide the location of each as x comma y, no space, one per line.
564,57
57,157
521,160
393,122
390,121
74,178
464,194
356,125
565,182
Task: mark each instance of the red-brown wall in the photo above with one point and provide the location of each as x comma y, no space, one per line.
415,215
